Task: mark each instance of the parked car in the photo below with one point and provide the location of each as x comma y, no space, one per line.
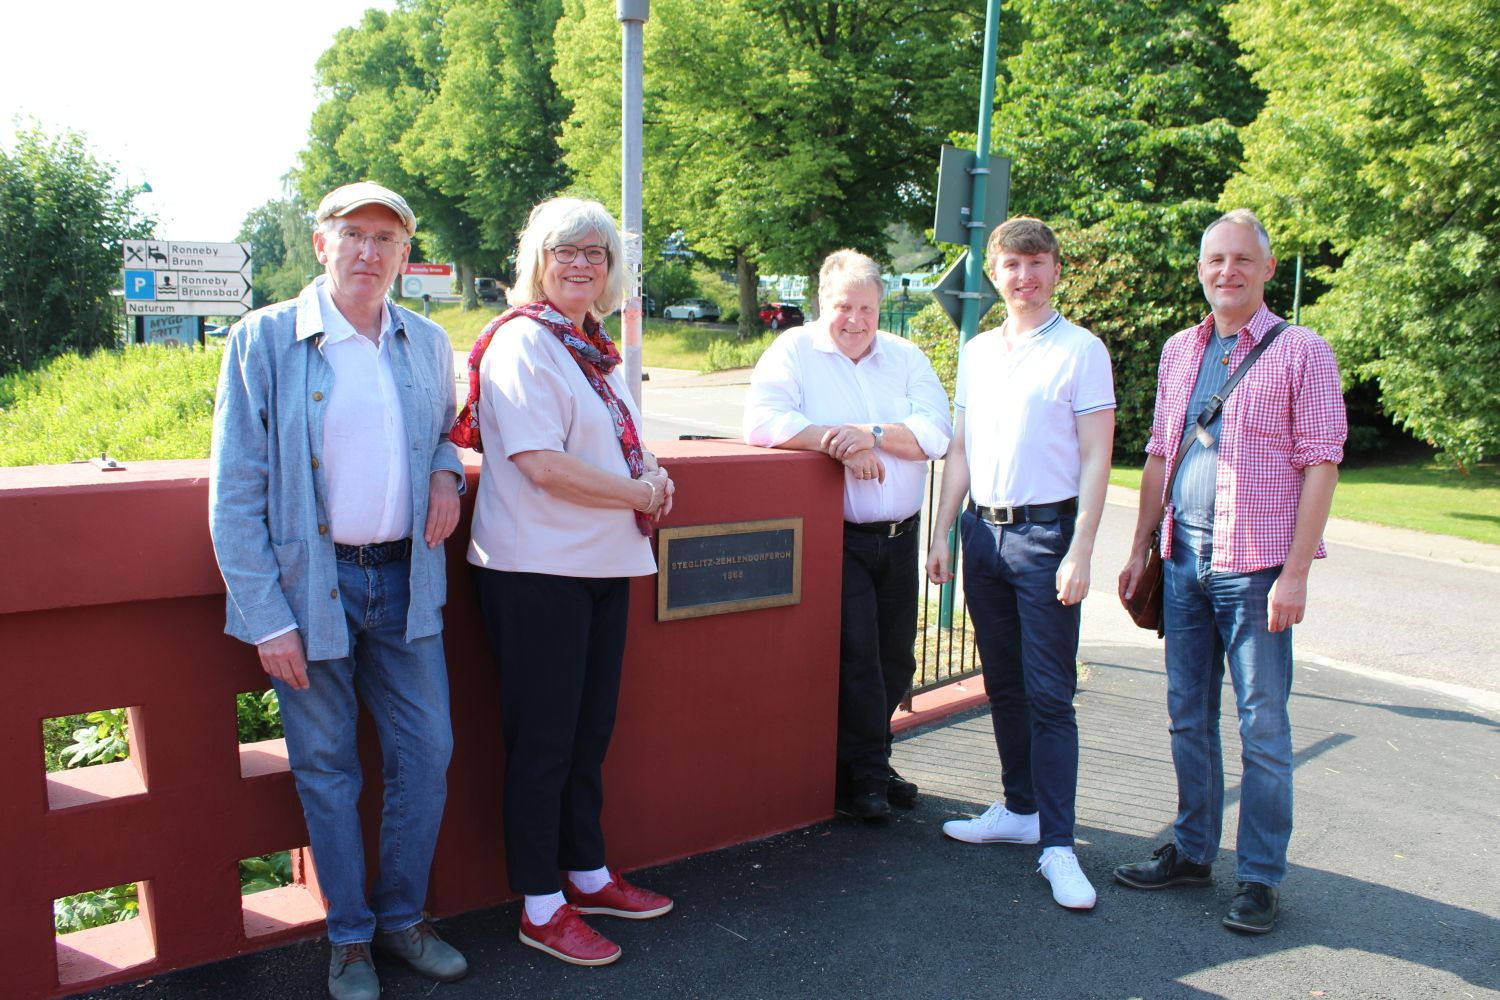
488,289
781,315
691,309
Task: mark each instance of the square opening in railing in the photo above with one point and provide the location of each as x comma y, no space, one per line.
94,756
89,738
279,892
101,931
258,725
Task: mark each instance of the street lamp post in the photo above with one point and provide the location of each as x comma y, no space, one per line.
632,15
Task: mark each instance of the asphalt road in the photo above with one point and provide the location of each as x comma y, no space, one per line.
1419,607
1392,891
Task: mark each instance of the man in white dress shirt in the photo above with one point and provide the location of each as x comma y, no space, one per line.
332,487
870,401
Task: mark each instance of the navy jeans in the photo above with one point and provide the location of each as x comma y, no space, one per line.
877,629
1028,646
405,688
1210,617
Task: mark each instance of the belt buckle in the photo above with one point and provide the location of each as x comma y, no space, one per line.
893,529
1009,516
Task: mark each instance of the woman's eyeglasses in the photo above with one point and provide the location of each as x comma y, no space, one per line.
567,253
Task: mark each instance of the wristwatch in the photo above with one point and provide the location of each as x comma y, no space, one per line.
879,433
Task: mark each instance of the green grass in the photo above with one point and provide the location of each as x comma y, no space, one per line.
664,343
138,404
1421,495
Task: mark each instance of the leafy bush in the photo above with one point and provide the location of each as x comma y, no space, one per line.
726,354
258,715
269,871
95,909
103,740
142,403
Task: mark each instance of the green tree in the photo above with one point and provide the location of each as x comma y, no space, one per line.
489,137
1121,121
64,217
818,127
280,236
449,102
1380,145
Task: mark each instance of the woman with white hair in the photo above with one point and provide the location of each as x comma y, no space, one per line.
562,520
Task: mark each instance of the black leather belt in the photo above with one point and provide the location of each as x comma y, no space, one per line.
1040,512
890,529
374,554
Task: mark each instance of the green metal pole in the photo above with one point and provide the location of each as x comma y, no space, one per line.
1297,295
974,266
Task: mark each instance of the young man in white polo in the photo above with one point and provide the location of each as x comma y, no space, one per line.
1034,426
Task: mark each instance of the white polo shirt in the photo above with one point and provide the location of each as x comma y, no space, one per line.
1020,408
804,379
365,463
534,397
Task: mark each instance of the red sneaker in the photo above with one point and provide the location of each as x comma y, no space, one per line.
618,899
567,937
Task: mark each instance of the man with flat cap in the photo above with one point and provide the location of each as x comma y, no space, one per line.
332,488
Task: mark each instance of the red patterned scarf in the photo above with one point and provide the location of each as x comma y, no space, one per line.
596,356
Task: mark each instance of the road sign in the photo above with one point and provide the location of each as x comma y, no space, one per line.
951,220
186,278
949,292
178,307
140,285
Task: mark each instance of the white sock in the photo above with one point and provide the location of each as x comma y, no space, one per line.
540,909
590,881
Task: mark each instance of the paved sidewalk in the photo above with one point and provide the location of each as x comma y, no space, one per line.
1394,890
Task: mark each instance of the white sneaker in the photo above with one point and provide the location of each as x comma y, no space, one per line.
1070,886
996,825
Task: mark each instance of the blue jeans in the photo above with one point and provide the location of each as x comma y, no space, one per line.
1210,616
405,688
1028,646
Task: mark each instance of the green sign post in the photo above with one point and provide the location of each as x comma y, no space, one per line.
954,224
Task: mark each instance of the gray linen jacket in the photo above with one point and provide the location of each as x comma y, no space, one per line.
266,496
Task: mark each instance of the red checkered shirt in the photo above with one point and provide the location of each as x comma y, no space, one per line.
1286,413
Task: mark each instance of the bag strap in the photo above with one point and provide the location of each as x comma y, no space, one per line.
1216,401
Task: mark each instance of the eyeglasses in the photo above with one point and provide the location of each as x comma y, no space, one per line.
383,241
567,253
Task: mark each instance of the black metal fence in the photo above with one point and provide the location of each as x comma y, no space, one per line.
944,648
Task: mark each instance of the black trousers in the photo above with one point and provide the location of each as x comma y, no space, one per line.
878,627
558,642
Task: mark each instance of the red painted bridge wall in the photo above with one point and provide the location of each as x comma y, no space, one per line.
109,597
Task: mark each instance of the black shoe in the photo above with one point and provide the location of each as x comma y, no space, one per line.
1253,910
1165,868
900,792
866,801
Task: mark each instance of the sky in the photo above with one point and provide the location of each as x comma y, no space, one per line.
206,101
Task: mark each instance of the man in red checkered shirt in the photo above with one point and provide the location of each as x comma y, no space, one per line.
1238,535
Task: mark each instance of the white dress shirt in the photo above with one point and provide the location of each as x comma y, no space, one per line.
803,379
365,465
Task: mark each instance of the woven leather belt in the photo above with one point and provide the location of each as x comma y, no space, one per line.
890,529
1042,513
375,554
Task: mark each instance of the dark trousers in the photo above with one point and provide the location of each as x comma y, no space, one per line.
877,628
558,642
1028,647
